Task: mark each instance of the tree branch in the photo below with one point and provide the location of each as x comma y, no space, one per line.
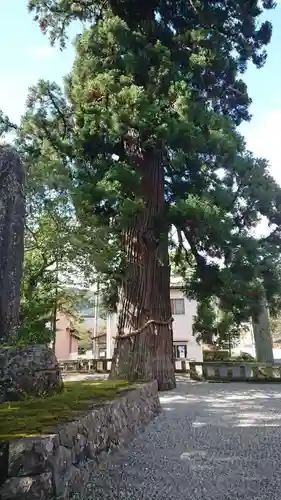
60,113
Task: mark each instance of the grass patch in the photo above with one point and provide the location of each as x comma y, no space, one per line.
36,416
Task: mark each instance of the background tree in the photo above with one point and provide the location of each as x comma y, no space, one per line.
51,264
147,134
6,126
56,250
217,328
275,327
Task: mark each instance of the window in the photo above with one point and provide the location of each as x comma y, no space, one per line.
177,306
180,351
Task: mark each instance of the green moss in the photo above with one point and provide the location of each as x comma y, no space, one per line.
37,416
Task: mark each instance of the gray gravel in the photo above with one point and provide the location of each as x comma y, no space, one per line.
213,441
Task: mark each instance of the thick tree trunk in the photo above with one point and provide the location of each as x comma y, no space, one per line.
262,336
144,346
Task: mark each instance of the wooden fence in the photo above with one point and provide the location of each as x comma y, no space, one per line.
227,371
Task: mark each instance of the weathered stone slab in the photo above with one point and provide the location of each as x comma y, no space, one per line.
28,488
61,463
4,461
31,456
12,217
67,434
77,481
64,459
31,370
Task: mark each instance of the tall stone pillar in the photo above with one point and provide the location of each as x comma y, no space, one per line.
12,218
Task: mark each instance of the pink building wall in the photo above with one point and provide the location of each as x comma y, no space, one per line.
66,344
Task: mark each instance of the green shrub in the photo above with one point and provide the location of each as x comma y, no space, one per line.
218,355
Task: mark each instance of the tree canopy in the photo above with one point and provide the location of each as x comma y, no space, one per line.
145,133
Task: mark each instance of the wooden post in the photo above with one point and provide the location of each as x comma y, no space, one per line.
243,372
193,373
205,371
256,371
229,372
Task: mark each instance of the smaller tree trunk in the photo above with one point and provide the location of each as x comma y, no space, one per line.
55,310
262,335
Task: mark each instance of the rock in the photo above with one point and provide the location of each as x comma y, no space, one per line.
80,449
29,370
38,487
12,218
68,433
31,456
78,478
62,466
4,462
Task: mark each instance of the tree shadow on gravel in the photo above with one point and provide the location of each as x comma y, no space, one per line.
227,405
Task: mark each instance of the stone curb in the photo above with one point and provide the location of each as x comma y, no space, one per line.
57,466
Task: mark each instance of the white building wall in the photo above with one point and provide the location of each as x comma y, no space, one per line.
111,332
182,324
182,329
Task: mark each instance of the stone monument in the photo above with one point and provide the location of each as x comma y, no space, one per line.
12,217
29,369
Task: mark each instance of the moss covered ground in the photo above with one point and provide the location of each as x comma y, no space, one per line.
37,416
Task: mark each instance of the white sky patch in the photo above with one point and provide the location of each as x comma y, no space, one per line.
44,51
263,138
7,138
13,97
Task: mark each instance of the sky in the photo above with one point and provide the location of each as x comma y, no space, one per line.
26,56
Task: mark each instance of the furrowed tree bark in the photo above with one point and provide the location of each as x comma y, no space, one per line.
144,346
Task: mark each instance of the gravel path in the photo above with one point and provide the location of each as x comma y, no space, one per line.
213,441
